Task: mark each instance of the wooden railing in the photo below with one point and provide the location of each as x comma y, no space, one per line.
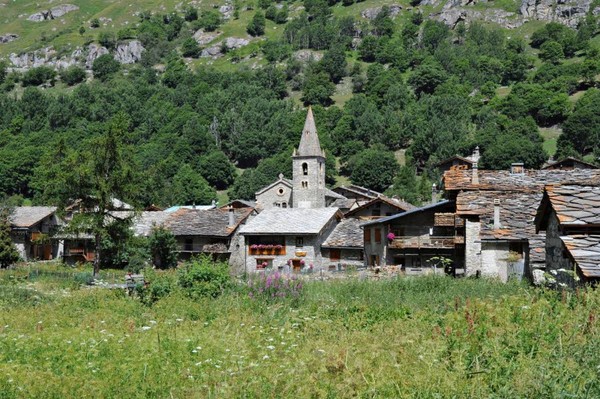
422,242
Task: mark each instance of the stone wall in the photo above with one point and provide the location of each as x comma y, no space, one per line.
348,258
559,267
472,247
309,188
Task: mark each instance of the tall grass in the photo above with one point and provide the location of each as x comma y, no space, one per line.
423,337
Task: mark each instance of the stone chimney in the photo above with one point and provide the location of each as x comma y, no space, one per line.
496,214
475,179
433,193
231,214
517,168
475,156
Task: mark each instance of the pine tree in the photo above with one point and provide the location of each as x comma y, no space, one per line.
8,252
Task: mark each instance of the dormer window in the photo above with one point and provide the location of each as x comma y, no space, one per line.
305,169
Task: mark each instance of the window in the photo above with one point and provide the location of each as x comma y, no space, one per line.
284,204
367,234
299,242
188,245
304,184
305,169
377,235
277,204
281,191
334,254
262,264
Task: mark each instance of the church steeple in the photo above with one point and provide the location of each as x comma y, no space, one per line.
309,142
309,168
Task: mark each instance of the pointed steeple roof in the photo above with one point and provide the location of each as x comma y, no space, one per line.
309,142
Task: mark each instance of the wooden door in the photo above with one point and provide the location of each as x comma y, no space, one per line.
296,266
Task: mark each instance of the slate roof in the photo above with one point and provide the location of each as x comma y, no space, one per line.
347,234
530,180
209,223
309,142
397,203
585,250
145,222
27,216
289,221
332,194
441,204
570,162
343,204
517,212
239,203
574,204
175,208
362,191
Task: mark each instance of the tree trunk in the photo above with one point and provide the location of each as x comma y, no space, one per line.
97,257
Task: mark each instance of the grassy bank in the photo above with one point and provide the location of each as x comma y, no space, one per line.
425,337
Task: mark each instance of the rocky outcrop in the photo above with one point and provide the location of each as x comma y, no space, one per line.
307,56
226,11
567,12
129,53
94,51
371,13
231,43
53,13
203,38
9,37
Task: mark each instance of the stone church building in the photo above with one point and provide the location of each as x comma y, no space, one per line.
307,188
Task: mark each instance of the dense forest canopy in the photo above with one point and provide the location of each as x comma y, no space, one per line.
416,85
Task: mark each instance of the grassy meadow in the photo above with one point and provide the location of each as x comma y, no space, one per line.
430,337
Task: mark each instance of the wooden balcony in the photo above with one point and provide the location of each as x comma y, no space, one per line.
419,242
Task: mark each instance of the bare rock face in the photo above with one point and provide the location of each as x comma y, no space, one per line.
226,11
307,55
231,43
567,12
453,16
371,13
94,51
9,37
44,56
130,52
203,38
53,13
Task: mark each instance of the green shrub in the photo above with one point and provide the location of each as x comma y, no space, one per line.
158,285
72,75
38,76
163,248
84,278
202,277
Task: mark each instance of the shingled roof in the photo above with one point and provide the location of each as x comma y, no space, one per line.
585,251
570,163
396,203
289,221
27,216
347,234
517,212
309,142
574,204
209,223
530,180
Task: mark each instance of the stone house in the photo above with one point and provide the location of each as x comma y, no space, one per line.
380,206
293,237
497,209
458,162
344,247
31,227
570,216
213,232
361,195
415,240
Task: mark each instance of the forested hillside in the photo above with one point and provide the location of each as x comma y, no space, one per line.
207,98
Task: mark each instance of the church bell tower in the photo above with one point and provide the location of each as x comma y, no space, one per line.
309,168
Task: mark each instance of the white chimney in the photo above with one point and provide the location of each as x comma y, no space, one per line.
231,214
496,214
433,193
475,179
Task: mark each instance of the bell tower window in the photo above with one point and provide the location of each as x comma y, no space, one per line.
305,169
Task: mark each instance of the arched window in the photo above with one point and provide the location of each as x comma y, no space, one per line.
305,169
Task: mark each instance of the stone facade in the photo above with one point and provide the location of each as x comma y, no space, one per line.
309,182
277,195
472,247
558,266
